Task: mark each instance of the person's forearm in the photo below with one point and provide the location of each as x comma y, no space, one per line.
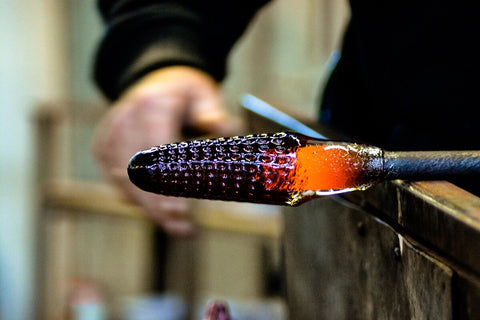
145,35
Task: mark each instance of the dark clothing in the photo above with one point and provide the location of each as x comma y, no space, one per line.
407,77
143,35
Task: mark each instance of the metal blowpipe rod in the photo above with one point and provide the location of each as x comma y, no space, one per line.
430,165
285,168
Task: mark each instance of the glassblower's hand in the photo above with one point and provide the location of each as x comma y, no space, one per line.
153,112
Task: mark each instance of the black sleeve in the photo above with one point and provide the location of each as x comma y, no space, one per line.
143,35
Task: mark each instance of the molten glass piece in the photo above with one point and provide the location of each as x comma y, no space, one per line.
282,168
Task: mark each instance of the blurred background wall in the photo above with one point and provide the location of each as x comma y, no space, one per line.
46,49
33,67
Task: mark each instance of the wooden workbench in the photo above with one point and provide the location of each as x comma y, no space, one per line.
397,251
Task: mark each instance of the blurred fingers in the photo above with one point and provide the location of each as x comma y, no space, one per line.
172,214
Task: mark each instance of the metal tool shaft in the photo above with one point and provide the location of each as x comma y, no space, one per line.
430,165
